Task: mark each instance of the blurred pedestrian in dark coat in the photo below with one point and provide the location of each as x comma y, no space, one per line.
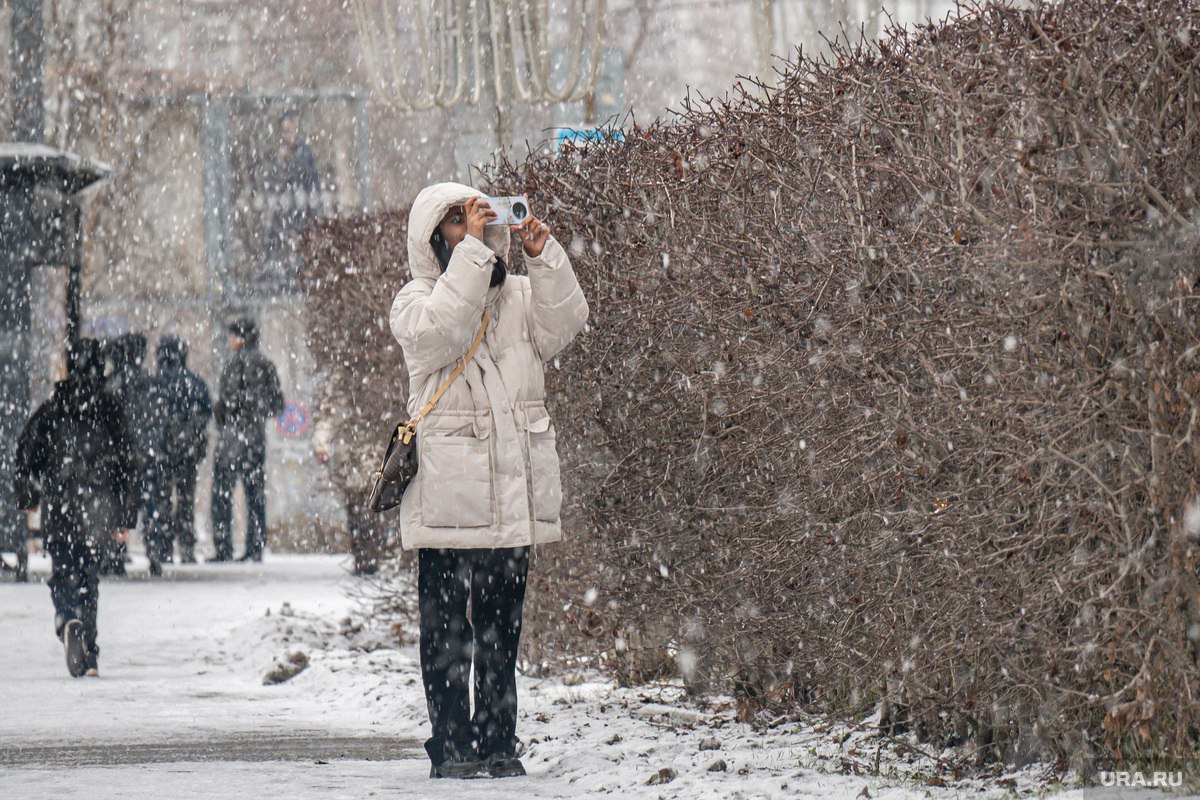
75,459
132,388
292,185
249,395
183,408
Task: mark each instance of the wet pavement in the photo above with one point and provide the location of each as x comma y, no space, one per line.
313,747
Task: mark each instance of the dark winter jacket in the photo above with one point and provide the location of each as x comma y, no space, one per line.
183,407
249,394
286,176
133,390
293,187
76,459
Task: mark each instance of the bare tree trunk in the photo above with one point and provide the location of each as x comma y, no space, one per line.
839,16
827,18
873,21
28,53
762,22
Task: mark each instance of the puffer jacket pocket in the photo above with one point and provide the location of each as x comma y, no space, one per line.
545,478
456,482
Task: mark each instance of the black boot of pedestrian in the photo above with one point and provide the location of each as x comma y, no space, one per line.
505,767
451,761
454,768
75,649
112,567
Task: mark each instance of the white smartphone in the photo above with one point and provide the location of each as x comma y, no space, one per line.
512,210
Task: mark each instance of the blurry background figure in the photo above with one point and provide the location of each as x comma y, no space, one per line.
292,187
75,459
368,538
182,407
249,395
132,388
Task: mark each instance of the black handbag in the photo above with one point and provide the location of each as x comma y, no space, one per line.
399,465
397,471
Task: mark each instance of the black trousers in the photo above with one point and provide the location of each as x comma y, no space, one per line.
174,511
114,554
454,641
233,463
75,585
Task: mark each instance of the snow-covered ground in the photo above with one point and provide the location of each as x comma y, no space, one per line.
181,710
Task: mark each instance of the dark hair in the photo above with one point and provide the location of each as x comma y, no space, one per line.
441,250
85,359
245,329
171,350
129,349
499,272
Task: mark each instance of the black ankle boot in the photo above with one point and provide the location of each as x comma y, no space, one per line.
505,767
457,768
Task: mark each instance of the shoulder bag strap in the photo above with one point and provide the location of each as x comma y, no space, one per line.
408,428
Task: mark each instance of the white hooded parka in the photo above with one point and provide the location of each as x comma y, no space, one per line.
489,473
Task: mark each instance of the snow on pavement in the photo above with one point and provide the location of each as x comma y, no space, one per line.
181,710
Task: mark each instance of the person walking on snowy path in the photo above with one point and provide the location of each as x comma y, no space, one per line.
249,395
488,485
132,388
183,408
76,461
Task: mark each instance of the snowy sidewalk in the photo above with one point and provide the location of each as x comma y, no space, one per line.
180,710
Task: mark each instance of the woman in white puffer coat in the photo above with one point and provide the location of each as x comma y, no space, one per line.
488,486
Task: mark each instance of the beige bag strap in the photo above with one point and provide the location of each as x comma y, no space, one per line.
408,428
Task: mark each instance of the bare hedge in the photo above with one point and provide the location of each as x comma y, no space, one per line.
351,276
890,389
